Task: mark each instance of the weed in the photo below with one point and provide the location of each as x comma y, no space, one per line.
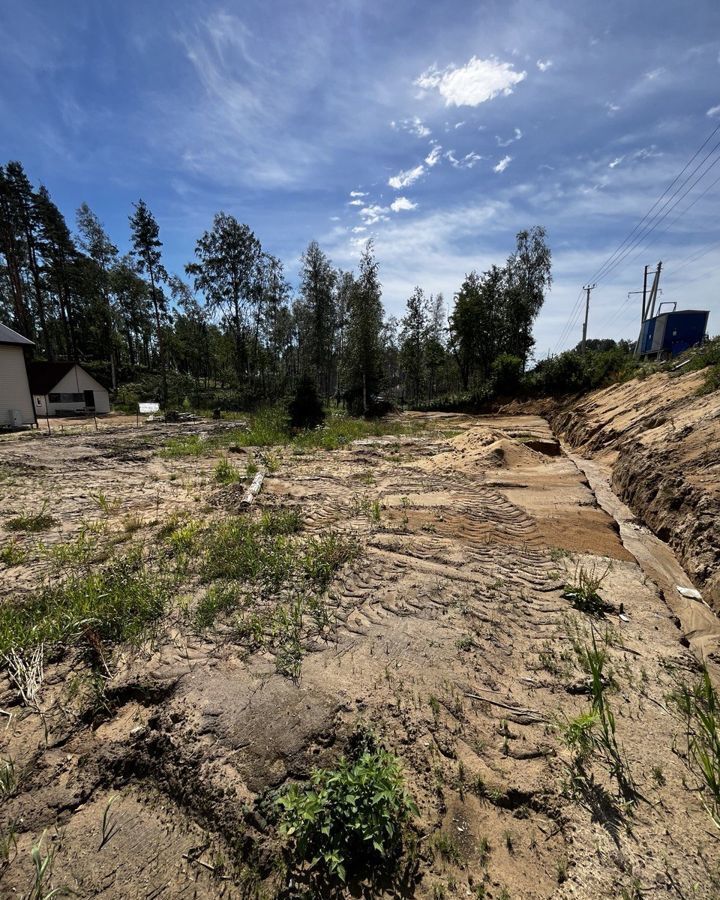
509,842
484,849
13,554
325,555
561,870
251,467
699,706
446,847
186,445
114,604
285,521
131,524
435,707
8,777
109,826
220,598
594,730
104,503
351,818
226,473
658,775
40,521
272,462
582,591
42,873
8,843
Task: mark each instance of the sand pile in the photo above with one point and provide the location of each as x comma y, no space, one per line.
483,448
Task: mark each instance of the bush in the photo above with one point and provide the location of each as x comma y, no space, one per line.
305,409
506,373
350,820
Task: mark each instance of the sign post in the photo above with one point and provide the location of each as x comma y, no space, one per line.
146,409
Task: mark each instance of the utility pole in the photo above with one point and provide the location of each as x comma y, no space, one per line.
587,288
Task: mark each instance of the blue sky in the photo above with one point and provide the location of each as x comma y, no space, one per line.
438,129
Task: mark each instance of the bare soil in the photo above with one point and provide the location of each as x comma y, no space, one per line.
449,636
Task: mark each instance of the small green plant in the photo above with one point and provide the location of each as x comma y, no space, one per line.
594,730
251,467
8,777
582,591
42,873
561,869
104,503
40,521
13,554
8,843
325,555
226,473
446,847
350,819
484,849
109,825
699,707
658,775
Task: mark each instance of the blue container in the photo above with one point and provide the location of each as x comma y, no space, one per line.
670,333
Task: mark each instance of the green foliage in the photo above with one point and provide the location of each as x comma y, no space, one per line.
305,409
700,708
573,372
325,555
582,591
118,603
506,373
33,522
226,473
350,819
13,554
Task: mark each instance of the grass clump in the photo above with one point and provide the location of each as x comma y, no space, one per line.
183,446
118,603
13,554
40,521
226,473
699,706
349,821
583,590
325,555
240,549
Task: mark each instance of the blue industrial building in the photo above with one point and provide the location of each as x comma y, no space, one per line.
667,334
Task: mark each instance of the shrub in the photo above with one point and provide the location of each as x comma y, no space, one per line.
506,372
305,409
350,819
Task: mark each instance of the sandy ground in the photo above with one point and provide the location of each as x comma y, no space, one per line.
449,636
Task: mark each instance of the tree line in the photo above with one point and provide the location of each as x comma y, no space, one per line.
230,329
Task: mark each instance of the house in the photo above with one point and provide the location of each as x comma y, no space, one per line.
16,405
65,389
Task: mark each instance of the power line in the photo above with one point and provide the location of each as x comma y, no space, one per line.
658,201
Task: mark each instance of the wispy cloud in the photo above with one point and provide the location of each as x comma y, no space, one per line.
433,157
401,204
474,83
503,164
414,126
713,111
406,178
465,162
358,193
616,162
544,64
374,213
356,202
506,143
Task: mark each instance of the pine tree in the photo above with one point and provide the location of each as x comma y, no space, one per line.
317,283
413,342
365,319
146,245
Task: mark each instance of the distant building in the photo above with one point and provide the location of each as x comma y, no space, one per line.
16,405
669,333
65,389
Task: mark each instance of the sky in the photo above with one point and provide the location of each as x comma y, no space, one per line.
439,130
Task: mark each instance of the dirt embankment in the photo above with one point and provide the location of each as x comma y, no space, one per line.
661,442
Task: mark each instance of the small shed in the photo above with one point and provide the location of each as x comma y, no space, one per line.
16,405
66,389
669,333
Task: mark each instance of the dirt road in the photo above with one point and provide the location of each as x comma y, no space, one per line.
447,635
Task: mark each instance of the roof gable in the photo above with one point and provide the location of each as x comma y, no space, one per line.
8,336
43,376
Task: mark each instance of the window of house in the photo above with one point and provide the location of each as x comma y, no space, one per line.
66,398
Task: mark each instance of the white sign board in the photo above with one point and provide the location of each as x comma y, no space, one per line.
148,407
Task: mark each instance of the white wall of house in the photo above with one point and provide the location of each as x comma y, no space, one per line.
14,387
68,395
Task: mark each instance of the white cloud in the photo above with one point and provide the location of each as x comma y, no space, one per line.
612,108
544,64
402,203
375,213
516,137
433,156
713,111
654,74
472,84
358,229
334,218
503,164
616,162
356,203
459,124
466,162
358,194
413,126
406,178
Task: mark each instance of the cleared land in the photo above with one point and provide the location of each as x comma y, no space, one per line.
420,585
